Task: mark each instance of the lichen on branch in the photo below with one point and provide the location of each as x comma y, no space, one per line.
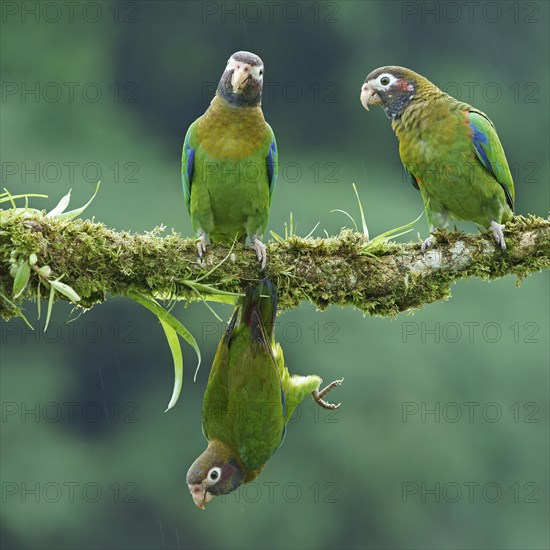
380,280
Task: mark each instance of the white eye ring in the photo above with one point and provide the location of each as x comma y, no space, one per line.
214,474
258,72
388,78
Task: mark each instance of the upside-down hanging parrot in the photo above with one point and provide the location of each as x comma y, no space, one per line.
249,399
450,150
230,160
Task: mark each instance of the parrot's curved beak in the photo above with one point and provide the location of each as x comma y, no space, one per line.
369,96
240,76
200,496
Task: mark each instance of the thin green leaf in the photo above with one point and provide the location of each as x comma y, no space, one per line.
207,305
17,310
177,356
276,236
21,279
395,235
363,221
74,213
10,198
210,289
50,307
407,226
66,290
396,232
61,205
38,299
212,294
387,235
311,232
168,318
77,317
222,298
344,212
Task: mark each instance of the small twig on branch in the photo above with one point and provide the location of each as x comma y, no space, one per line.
393,277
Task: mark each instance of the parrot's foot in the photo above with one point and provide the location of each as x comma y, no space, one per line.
319,394
261,251
201,246
498,233
427,243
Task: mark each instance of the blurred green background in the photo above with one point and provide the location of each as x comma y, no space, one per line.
89,459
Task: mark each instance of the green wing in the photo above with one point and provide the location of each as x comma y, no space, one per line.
216,395
244,401
490,153
256,398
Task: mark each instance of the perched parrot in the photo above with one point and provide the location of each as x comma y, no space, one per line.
450,150
230,160
249,399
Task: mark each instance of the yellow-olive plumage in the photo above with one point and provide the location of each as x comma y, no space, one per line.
229,160
249,399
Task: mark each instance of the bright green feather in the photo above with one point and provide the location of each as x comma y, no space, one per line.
229,170
492,152
250,394
437,148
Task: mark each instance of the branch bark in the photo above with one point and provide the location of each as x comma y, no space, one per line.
391,278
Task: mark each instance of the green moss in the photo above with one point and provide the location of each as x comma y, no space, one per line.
391,278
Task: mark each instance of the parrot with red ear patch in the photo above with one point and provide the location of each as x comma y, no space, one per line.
450,151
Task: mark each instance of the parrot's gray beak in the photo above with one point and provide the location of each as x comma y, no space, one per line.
369,96
200,496
240,76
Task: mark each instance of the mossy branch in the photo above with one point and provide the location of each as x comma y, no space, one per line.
390,278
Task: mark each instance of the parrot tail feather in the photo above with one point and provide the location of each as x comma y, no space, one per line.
259,308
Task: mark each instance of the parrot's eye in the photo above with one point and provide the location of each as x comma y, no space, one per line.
261,72
384,81
214,474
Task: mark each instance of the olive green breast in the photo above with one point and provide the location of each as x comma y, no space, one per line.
232,133
230,188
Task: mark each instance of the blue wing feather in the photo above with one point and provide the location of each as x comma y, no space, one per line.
190,160
489,152
271,174
479,138
272,162
187,168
